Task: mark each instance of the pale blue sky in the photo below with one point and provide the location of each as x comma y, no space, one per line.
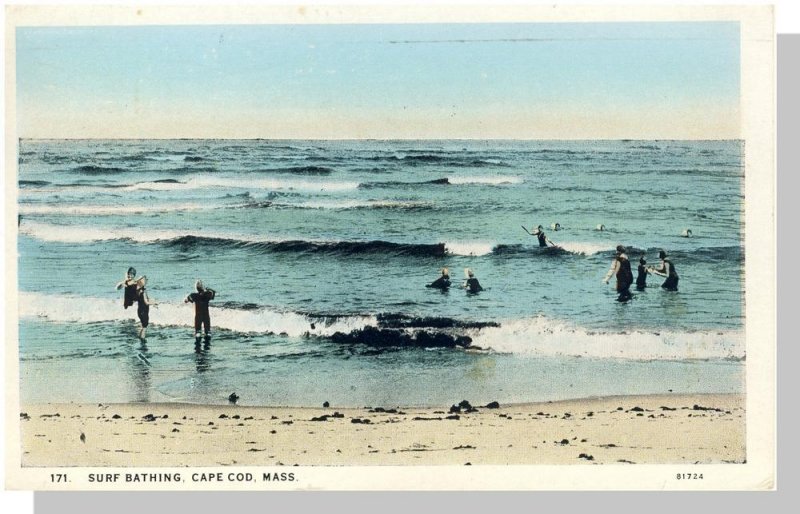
527,81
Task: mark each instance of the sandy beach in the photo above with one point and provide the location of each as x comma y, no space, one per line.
656,429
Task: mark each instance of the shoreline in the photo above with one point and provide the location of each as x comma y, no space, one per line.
642,429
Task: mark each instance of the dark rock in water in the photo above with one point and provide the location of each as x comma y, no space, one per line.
320,418
464,404
326,405
364,421
233,398
149,417
454,408
175,430
585,456
564,441
384,338
493,405
453,416
235,416
223,416
637,409
337,415
24,415
116,416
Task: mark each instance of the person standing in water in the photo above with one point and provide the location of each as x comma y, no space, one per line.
666,269
200,300
641,274
543,240
471,284
621,267
130,287
442,282
143,303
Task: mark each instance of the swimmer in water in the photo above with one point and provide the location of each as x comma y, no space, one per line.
543,239
200,300
130,287
471,284
442,282
641,274
621,267
666,269
143,302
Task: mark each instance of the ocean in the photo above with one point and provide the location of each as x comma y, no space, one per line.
320,251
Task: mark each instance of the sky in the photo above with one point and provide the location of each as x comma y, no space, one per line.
662,80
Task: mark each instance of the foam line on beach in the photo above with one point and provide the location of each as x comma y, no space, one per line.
537,336
262,320
542,336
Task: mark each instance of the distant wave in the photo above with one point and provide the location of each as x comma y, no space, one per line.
91,169
222,182
356,204
487,180
113,210
536,336
267,244
494,181
33,183
444,159
300,170
324,247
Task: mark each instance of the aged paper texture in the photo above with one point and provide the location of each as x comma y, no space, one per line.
347,248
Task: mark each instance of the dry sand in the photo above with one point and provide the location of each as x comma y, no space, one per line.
616,430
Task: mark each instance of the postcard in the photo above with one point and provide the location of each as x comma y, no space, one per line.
419,248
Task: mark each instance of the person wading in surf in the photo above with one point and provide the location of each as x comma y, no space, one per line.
200,300
543,240
666,269
641,275
621,267
471,284
130,287
442,282
143,302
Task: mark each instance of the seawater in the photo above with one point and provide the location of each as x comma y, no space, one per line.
320,252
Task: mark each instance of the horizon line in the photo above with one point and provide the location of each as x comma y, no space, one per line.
356,139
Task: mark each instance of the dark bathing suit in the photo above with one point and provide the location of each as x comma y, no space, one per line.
440,283
671,284
473,286
624,278
130,294
201,315
542,239
142,309
641,277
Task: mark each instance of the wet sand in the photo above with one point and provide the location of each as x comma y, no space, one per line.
658,429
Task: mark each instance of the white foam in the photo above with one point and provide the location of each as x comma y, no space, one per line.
577,247
212,182
173,312
87,234
485,180
546,337
354,204
111,210
469,248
